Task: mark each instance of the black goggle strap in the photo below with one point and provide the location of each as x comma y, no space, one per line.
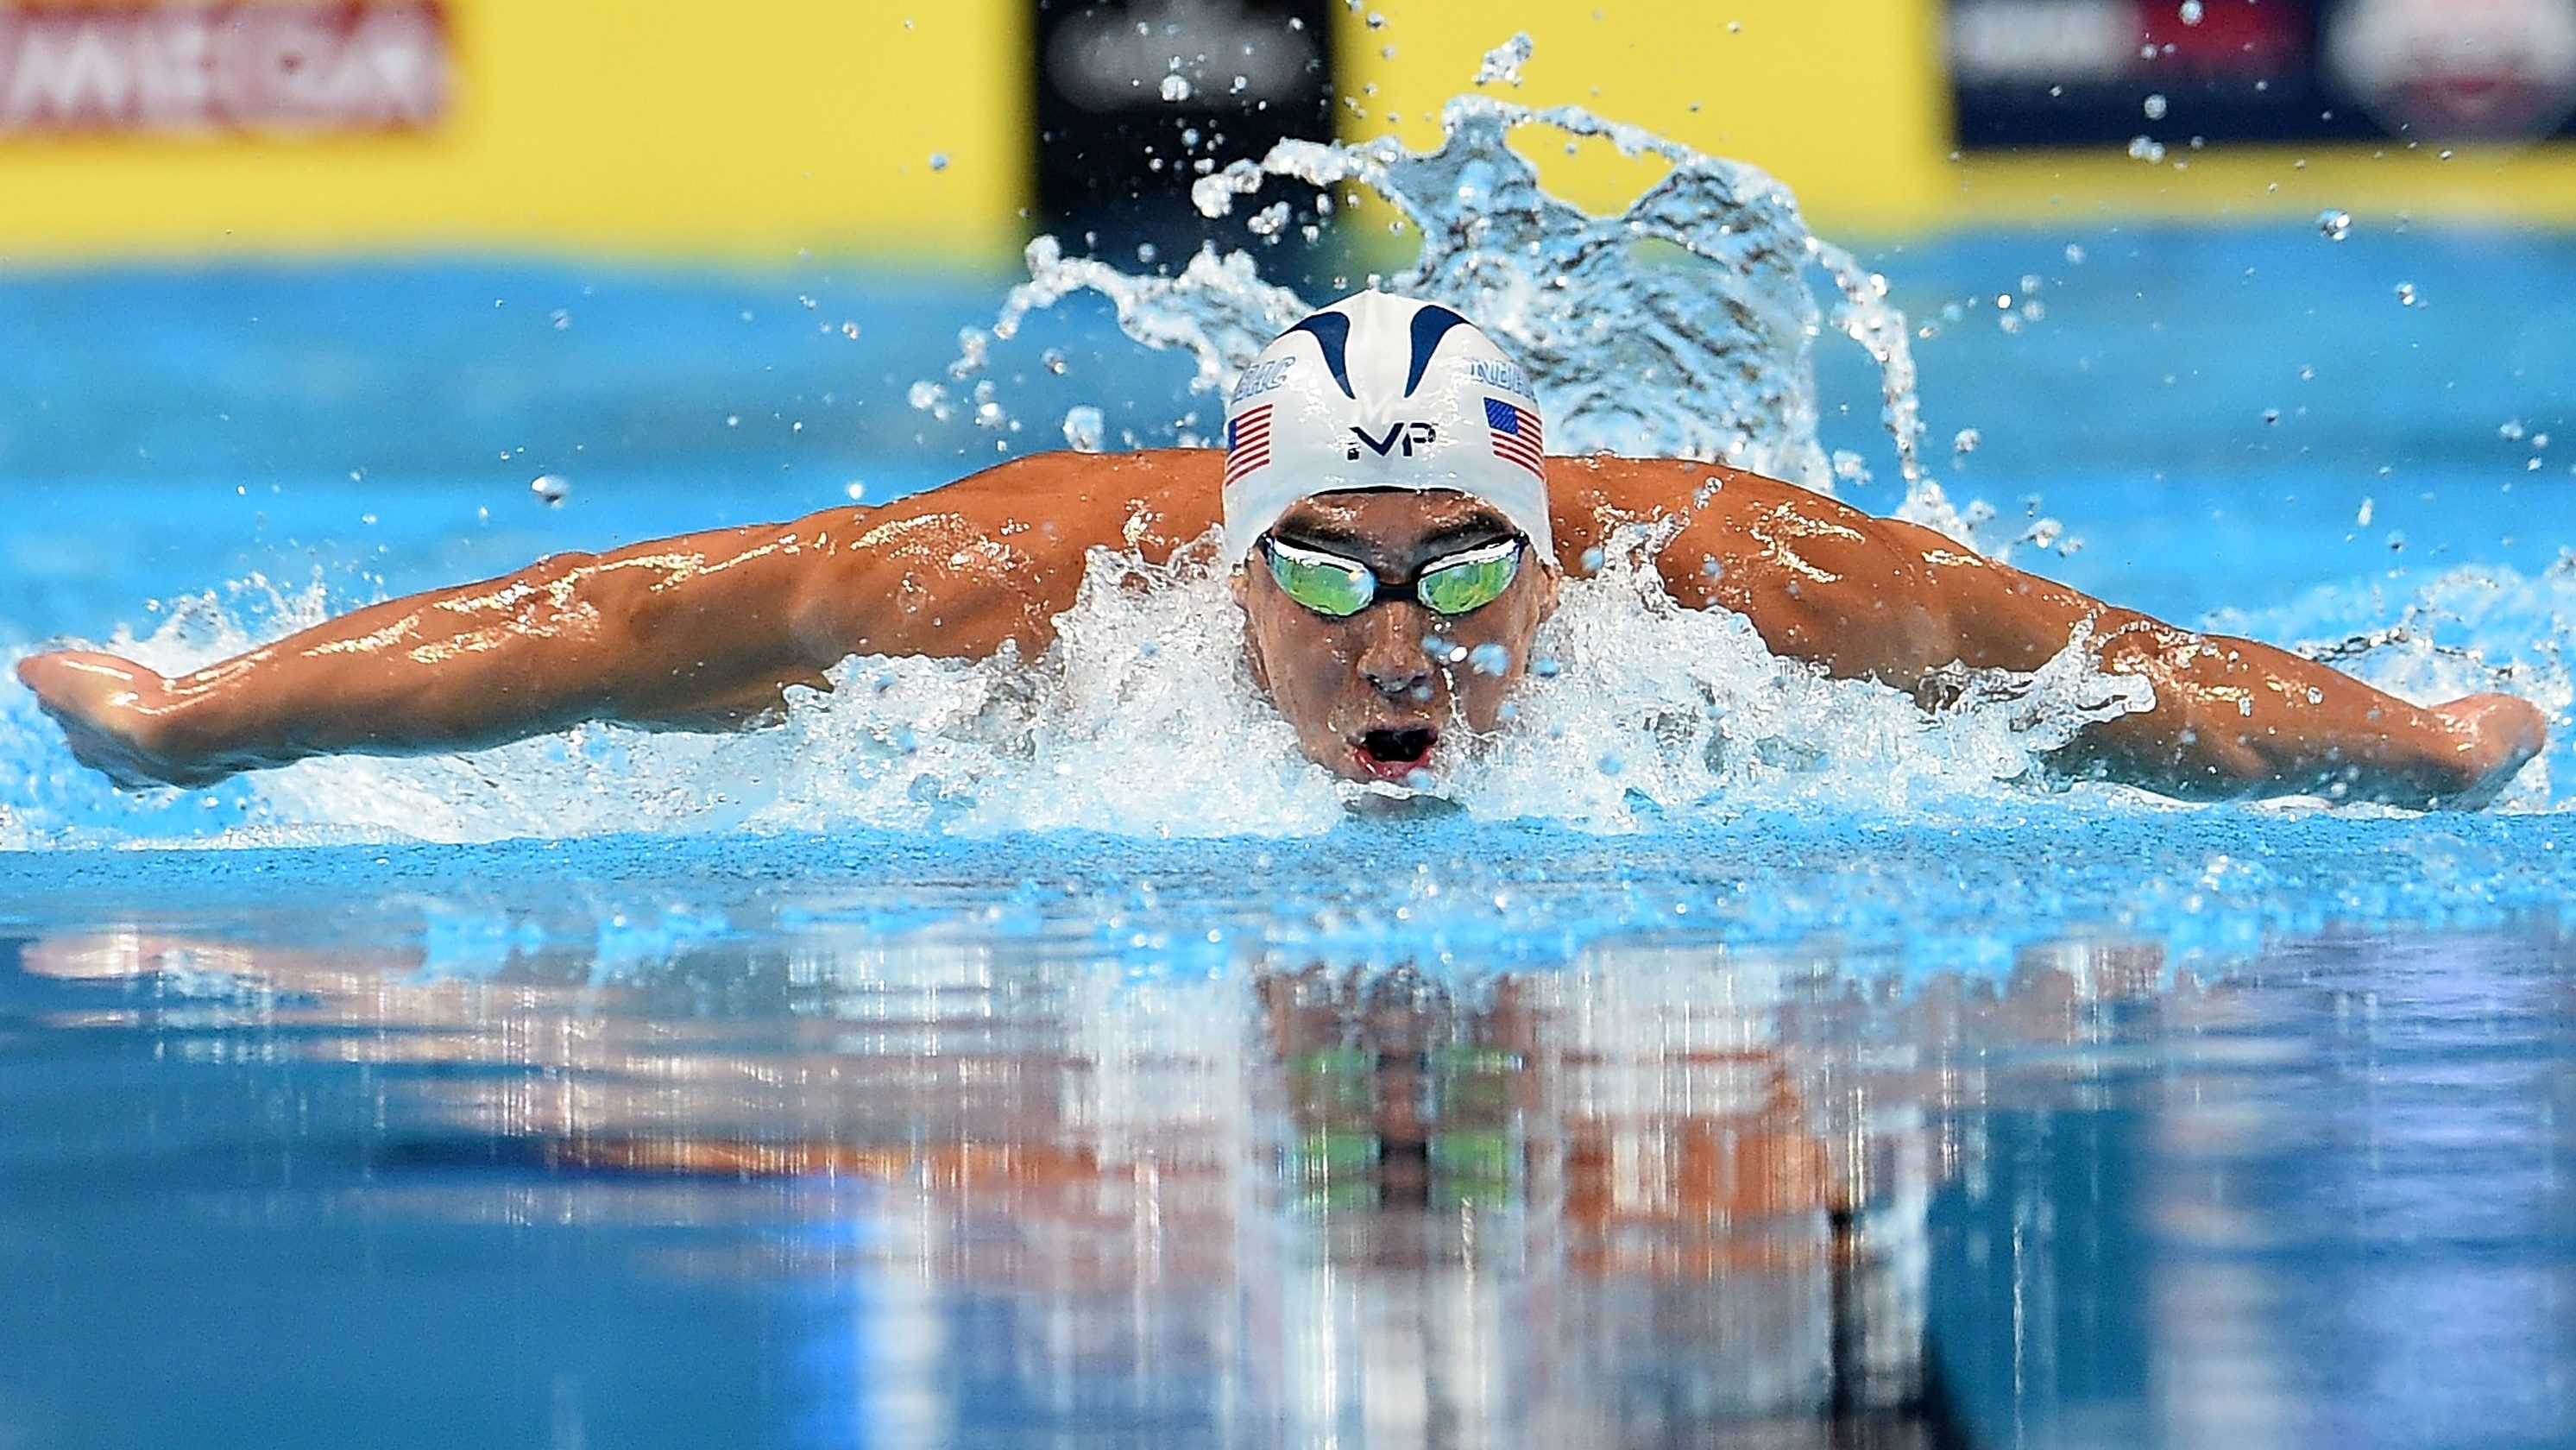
1380,590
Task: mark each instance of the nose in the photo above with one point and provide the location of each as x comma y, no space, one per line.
1391,659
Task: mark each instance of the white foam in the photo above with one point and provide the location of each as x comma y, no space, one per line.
1144,719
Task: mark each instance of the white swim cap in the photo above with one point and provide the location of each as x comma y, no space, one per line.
1378,391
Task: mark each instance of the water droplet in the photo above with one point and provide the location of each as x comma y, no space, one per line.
850,330
856,488
2191,12
1084,428
550,488
1176,87
1612,765
2511,430
561,319
1546,669
2368,507
2406,294
1593,558
926,395
1966,441
2155,107
1504,62
2271,415
1053,360
2334,224
2074,254
2147,149
1489,659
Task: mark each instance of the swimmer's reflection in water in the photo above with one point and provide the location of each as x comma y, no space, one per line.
1662,1185
1383,487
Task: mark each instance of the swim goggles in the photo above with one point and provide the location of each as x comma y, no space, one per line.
1338,588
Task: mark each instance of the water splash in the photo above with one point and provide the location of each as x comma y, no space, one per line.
1143,719
1682,326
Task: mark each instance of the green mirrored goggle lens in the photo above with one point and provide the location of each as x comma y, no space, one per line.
1339,588
1322,583
1471,581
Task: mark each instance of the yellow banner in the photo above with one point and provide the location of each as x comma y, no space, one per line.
748,129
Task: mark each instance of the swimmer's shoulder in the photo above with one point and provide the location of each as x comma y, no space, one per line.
1592,495
1156,499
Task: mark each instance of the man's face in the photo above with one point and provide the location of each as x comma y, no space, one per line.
1366,697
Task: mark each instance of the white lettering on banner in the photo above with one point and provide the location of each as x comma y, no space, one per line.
93,69
2043,40
1109,59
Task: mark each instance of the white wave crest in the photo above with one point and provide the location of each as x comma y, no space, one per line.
1143,719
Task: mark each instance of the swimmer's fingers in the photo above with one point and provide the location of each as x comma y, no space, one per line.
2498,735
103,704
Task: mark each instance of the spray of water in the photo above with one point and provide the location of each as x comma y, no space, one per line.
1683,325
1142,719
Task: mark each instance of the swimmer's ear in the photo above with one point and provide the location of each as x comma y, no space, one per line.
1549,586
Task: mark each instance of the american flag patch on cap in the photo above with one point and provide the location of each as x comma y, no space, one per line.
1516,435
1247,442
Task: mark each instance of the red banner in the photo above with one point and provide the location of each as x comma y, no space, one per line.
266,66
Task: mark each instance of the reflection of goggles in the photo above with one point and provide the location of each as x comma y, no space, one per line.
1338,588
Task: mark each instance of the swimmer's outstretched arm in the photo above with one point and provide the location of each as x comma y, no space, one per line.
1881,599
692,626
704,629
2233,717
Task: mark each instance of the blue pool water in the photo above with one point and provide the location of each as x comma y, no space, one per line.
812,1088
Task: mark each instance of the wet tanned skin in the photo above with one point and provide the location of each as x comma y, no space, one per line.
708,628
1367,701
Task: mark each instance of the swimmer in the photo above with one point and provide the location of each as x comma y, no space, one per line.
1383,481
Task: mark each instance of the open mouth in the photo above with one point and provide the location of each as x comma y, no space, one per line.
1394,752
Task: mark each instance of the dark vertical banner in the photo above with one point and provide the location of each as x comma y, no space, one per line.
1137,99
2091,72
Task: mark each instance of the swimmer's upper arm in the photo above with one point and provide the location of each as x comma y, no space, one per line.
1819,581
1999,617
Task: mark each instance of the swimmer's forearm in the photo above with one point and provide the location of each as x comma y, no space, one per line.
2238,717
644,634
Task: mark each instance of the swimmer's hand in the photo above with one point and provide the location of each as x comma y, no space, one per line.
2495,735
117,716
